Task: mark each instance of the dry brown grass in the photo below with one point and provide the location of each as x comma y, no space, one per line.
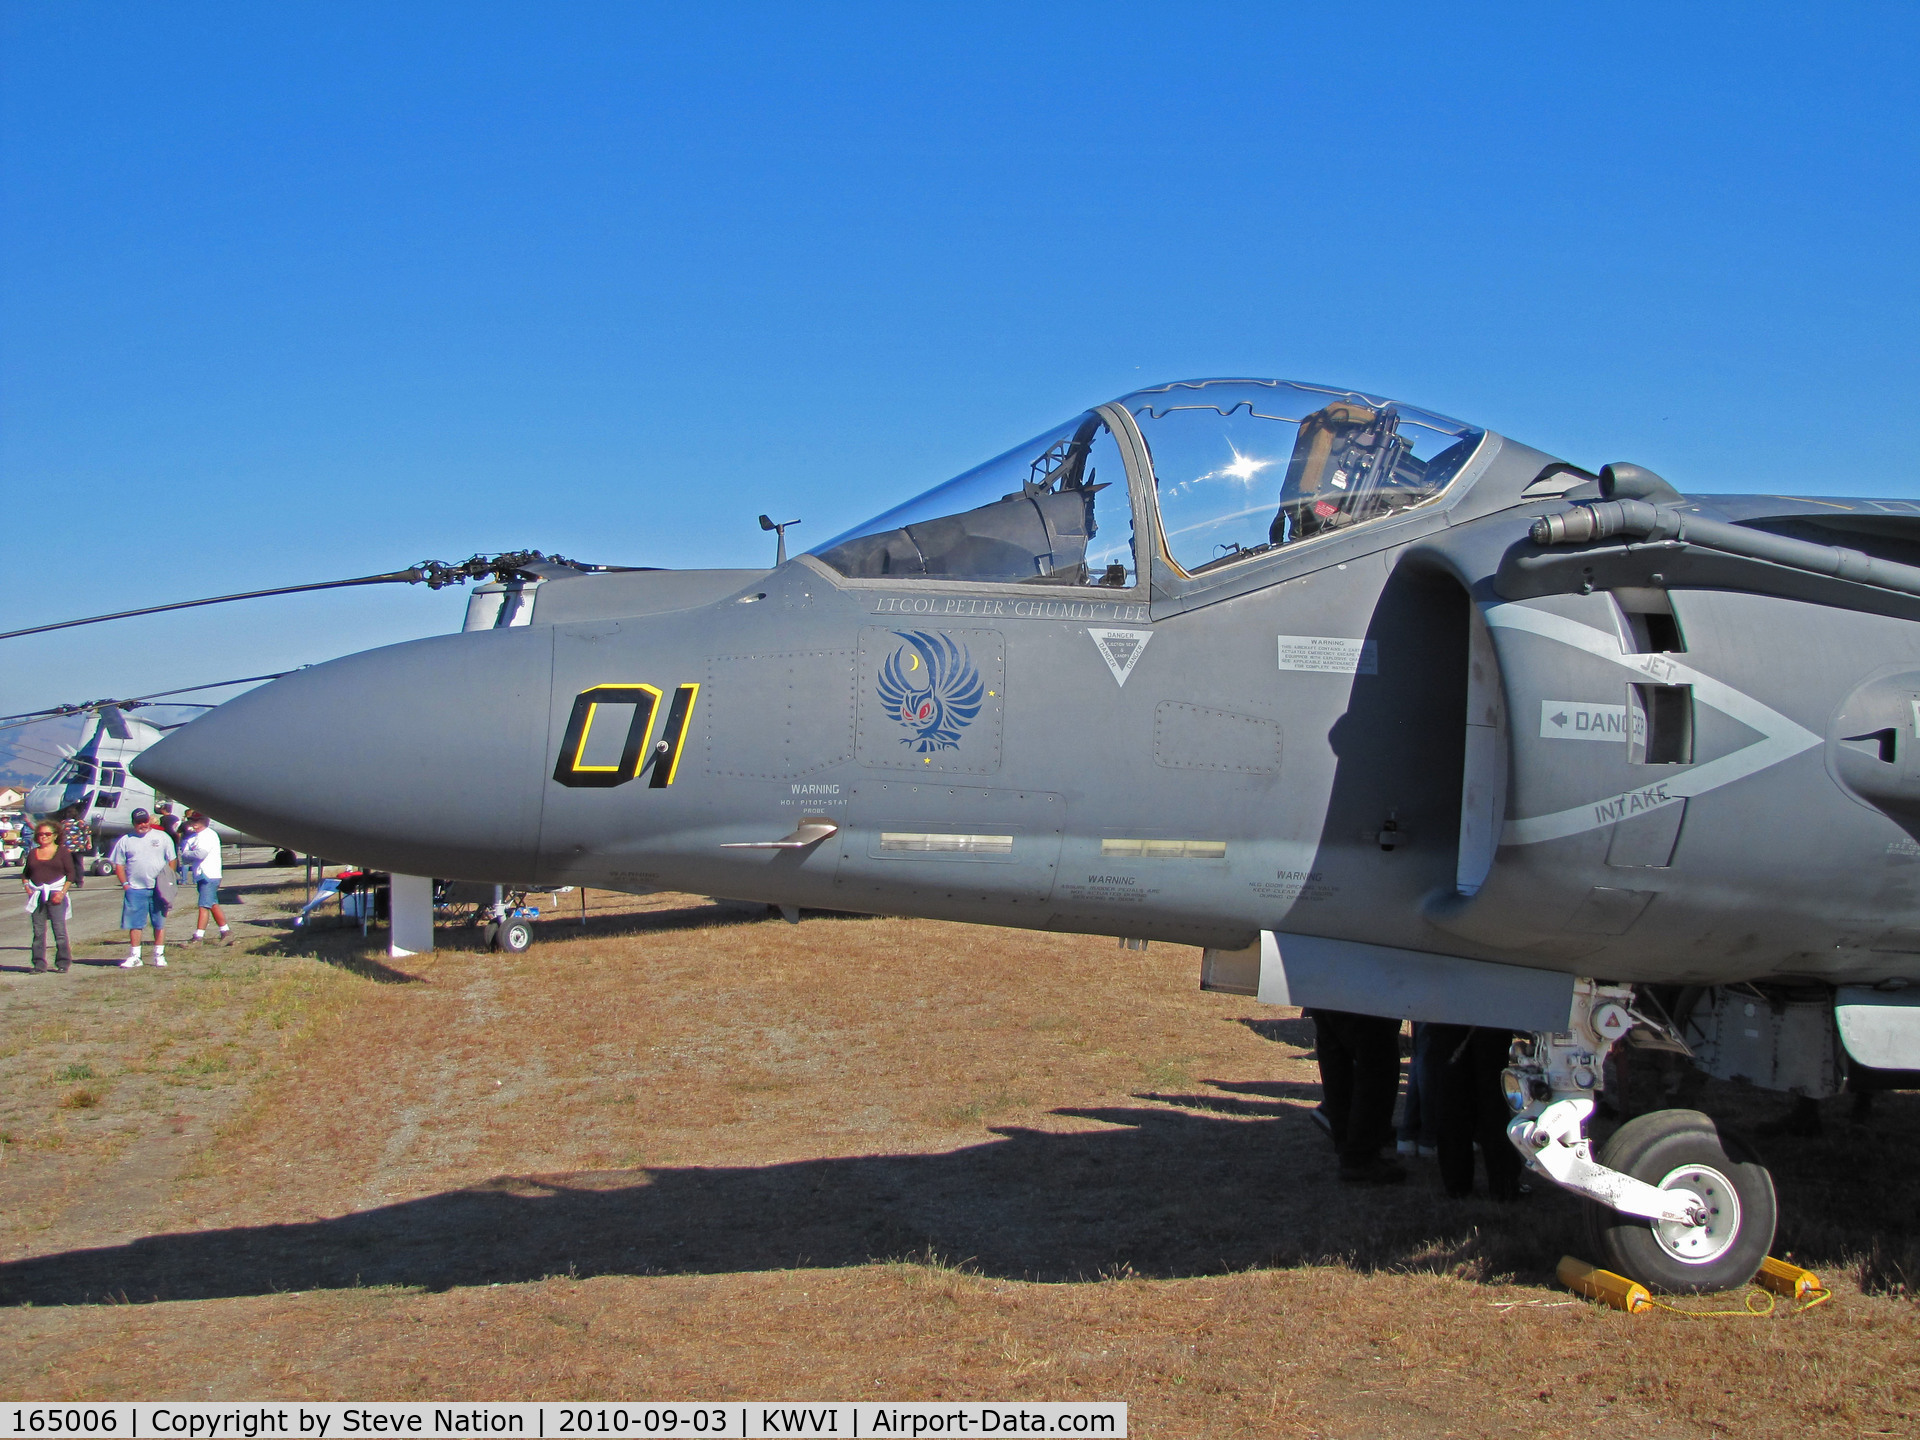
683,1155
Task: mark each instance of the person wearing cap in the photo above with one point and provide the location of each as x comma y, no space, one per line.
139,860
201,853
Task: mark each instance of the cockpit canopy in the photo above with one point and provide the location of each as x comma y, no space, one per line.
1055,510
74,770
1240,468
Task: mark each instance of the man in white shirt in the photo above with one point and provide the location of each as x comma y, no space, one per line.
139,860
202,855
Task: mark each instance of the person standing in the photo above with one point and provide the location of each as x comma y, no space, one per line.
1359,1081
1464,1063
1419,1135
202,855
75,835
165,819
50,873
139,860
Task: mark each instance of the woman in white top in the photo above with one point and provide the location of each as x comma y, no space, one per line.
201,852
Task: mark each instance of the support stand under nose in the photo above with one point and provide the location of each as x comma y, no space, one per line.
410,915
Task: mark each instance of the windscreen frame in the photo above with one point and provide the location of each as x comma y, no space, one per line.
1133,456
1172,582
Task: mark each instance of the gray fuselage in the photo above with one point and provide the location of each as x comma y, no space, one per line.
1367,735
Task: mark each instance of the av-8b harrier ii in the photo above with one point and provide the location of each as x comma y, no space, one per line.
1389,713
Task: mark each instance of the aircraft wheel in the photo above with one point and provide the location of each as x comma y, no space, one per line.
513,936
1684,1150
283,857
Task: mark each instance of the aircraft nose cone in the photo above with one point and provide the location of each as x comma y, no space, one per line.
423,758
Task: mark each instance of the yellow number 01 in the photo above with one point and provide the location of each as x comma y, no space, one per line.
663,760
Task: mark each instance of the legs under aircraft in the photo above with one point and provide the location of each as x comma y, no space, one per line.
1359,1082
1463,1074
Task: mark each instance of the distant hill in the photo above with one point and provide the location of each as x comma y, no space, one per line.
27,754
30,753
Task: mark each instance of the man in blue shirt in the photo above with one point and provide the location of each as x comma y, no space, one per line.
139,860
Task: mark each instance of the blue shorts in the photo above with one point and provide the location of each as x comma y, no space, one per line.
209,892
141,908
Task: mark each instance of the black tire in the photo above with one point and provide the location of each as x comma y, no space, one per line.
284,857
1683,1149
514,937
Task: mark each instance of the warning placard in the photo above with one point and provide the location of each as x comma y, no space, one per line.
1329,655
1583,720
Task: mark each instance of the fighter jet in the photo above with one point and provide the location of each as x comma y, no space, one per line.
1386,712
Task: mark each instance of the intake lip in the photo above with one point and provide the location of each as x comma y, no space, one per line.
424,758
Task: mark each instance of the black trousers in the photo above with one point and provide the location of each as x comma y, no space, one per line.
1463,1082
1359,1080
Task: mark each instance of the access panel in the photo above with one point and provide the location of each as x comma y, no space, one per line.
961,851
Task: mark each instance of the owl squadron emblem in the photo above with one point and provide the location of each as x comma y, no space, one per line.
931,686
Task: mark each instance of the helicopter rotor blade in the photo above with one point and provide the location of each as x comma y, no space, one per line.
11,722
434,574
399,576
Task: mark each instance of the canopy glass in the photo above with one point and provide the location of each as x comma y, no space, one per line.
1240,468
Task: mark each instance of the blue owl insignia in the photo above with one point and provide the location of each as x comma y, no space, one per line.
931,686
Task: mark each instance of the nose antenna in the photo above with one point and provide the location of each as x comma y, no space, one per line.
779,528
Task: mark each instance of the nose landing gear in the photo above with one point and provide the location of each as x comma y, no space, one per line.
1669,1202
506,924
512,936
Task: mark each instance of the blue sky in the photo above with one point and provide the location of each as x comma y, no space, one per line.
290,292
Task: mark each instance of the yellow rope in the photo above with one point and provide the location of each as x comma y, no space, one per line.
1748,1310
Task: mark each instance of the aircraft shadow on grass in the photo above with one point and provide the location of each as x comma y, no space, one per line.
1298,1030
1171,1193
1247,1181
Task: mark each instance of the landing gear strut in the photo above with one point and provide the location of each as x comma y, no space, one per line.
1669,1202
505,930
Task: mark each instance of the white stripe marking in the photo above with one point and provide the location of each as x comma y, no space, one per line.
1780,738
